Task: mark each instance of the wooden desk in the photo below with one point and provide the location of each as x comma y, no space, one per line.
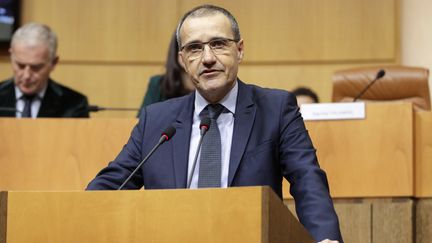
367,158
57,154
362,158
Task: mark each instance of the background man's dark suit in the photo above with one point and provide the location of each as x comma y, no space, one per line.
59,101
269,142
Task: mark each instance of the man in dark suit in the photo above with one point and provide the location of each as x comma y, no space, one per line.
31,93
262,137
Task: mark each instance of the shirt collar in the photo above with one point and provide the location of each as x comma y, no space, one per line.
229,101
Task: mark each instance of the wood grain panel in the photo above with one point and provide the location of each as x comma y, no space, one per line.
243,215
109,85
367,158
314,30
423,152
275,30
107,30
53,154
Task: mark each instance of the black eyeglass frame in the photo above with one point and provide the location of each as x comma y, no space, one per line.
203,44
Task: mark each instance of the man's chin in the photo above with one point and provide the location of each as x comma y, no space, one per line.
27,91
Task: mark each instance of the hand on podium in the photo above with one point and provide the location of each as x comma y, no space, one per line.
328,241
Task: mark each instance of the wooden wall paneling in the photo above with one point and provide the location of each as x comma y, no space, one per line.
306,31
5,69
109,85
107,30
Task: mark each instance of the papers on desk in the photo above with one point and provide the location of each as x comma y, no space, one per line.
333,111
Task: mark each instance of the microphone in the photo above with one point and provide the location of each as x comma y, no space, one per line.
95,108
10,109
204,127
167,134
379,75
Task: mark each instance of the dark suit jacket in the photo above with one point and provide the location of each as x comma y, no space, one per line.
269,142
59,101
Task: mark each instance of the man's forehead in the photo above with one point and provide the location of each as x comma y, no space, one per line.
208,26
29,54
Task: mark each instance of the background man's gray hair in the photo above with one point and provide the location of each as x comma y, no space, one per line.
33,34
207,10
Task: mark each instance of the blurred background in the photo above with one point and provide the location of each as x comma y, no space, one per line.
108,48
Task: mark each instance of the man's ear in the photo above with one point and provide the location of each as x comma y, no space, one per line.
180,60
54,62
240,50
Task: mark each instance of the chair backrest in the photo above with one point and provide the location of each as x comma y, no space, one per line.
399,83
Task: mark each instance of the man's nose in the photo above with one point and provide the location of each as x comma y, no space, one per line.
208,56
27,72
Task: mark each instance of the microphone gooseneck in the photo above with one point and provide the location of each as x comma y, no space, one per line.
204,127
9,109
167,134
379,75
96,108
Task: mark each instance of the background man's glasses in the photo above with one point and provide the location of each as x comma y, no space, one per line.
219,46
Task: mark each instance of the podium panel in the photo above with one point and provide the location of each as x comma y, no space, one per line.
249,214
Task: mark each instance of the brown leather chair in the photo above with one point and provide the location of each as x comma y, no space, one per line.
399,83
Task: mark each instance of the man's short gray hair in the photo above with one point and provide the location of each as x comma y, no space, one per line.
207,10
34,33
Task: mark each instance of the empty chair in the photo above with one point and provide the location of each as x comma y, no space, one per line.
399,83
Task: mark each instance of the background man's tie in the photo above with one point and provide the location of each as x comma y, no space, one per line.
27,105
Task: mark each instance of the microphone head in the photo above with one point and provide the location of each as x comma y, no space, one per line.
93,108
168,133
380,74
205,124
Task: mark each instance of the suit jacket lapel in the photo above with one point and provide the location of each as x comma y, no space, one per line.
243,123
7,97
51,103
181,142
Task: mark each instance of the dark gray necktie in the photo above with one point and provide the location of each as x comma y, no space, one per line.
210,168
27,105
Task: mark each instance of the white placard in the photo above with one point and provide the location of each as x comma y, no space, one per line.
333,111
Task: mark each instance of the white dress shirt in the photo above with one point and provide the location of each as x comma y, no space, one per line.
35,105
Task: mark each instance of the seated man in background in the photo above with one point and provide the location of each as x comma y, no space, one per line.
305,96
31,92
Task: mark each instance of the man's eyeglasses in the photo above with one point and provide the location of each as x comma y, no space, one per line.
194,50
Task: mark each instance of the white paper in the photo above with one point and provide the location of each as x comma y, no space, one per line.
333,111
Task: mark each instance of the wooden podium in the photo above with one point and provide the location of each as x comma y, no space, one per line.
248,214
